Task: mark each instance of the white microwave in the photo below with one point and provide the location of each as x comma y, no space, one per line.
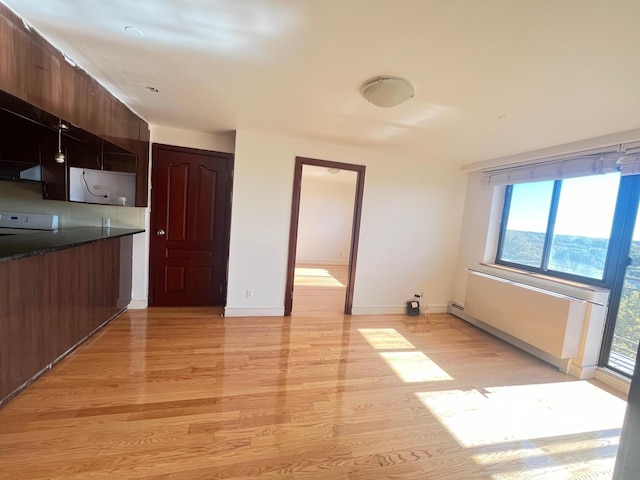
102,187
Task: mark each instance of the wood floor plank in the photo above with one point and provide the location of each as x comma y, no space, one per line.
183,393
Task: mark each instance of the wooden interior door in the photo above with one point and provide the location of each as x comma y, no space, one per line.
190,207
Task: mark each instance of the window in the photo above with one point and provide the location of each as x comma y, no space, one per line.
560,227
526,223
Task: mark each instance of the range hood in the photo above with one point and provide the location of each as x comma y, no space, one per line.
19,171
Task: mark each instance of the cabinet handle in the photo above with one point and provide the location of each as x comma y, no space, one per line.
160,232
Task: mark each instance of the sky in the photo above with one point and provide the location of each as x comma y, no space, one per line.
586,206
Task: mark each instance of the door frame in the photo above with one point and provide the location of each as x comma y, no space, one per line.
627,210
293,230
155,147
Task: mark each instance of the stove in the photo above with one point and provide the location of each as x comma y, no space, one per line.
17,223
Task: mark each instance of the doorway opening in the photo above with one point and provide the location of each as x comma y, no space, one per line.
323,245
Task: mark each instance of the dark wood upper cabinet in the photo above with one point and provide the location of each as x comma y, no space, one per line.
34,71
19,139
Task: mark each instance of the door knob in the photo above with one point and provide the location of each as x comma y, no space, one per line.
160,232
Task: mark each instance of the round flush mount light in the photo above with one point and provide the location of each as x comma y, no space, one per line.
387,91
133,31
333,171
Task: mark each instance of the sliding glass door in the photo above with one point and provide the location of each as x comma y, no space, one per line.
622,331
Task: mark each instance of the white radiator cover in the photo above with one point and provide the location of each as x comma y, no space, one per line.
551,322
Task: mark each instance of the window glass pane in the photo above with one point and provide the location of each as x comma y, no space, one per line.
527,223
626,335
583,225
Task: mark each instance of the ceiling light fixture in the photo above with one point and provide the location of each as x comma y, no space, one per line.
133,31
387,91
333,171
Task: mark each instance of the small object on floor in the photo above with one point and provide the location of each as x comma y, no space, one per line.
413,308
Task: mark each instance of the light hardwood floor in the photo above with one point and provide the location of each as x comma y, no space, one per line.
319,289
185,394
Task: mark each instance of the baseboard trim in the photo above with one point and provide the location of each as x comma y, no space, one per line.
583,373
138,304
392,309
379,310
438,309
307,261
257,311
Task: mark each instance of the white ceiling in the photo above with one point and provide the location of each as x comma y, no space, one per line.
560,70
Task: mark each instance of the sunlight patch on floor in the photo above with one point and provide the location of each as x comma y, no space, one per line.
414,367
530,450
535,460
560,470
515,413
385,338
315,277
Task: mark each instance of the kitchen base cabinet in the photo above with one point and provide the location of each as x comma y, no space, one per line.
51,303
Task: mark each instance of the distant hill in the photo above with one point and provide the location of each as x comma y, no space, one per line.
584,256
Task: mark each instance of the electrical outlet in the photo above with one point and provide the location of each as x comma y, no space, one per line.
106,222
106,193
249,293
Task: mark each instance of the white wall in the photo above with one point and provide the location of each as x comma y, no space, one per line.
326,217
187,138
409,234
480,228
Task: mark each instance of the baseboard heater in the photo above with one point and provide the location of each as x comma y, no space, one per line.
548,321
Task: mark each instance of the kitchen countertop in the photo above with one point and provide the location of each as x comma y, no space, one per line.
14,247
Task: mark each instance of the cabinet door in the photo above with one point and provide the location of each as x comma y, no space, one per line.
16,58
116,159
82,154
43,78
19,139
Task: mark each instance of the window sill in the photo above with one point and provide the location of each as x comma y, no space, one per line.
547,278
613,379
590,293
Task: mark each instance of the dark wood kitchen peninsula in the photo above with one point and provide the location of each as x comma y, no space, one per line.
56,290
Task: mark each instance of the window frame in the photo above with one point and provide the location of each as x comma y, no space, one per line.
613,249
